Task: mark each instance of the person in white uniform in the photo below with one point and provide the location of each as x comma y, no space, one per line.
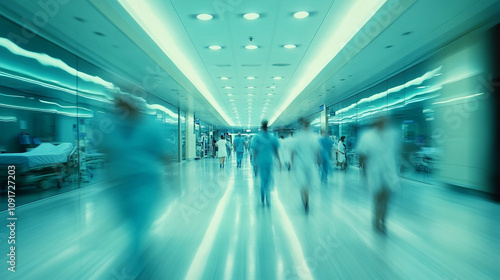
221,150
341,153
305,155
378,149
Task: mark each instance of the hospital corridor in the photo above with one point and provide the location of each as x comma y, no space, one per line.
212,226
249,140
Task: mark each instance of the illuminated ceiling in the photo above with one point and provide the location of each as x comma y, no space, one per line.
299,63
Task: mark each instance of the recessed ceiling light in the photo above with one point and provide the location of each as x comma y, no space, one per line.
290,46
250,99
251,87
228,87
204,17
301,14
277,78
229,94
250,78
215,47
232,100
224,78
269,94
251,16
272,87
250,94
251,47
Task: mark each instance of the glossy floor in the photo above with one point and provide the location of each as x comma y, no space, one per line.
211,225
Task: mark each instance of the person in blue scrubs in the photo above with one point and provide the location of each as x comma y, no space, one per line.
239,148
265,147
326,154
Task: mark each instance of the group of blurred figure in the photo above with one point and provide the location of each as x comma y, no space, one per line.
302,154
137,153
378,150
222,147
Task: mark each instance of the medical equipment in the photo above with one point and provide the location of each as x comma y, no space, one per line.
46,162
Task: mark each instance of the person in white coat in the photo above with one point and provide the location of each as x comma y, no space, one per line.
342,153
221,150
378,149
305,156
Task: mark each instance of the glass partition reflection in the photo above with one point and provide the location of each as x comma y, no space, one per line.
440,106
54,113
39,110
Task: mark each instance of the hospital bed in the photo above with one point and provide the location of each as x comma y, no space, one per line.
47,162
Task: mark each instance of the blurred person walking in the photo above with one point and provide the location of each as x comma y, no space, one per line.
342,154
305,156
137,150
326,155
285,152
214,148
265,147
378,149
239,148
252,156
221,150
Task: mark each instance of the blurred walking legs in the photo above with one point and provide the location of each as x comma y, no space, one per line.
239,157
265,181
325,167
381,200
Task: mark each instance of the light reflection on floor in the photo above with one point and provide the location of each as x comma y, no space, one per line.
211,225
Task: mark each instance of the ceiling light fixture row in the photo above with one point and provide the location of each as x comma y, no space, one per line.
252,16
251,47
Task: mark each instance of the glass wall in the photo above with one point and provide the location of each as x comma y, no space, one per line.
404,98
438,105
203,139
54,112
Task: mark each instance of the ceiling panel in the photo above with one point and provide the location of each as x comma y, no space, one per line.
103,33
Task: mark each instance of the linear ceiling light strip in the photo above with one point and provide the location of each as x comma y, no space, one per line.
156,26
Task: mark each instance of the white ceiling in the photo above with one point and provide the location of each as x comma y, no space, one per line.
136,60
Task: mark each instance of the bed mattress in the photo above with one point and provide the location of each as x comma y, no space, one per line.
44,154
